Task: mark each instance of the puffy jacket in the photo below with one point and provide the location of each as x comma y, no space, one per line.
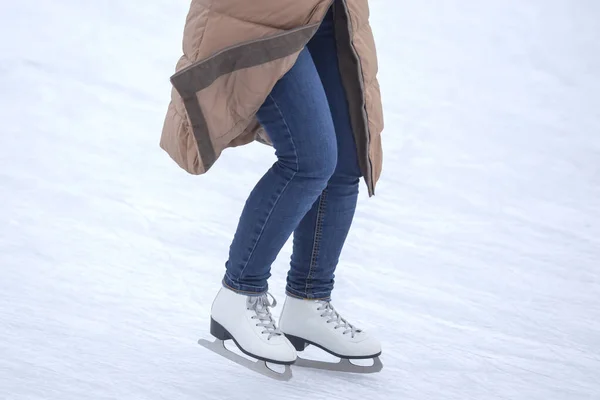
234,51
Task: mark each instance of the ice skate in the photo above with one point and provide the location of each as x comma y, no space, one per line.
317,323
248,322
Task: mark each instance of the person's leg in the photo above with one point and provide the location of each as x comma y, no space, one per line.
308,316
321,234
297,119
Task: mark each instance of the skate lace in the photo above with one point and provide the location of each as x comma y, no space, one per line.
333,316
260,305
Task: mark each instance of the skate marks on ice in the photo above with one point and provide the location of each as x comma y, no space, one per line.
262,367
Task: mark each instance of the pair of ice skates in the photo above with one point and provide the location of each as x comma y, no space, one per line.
247,320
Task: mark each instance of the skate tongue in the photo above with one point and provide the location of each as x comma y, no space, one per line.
261,302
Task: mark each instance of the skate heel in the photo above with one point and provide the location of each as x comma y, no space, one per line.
298,343
218,331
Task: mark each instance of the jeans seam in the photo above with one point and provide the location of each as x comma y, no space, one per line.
280,193
298,295
317,239
241,291
239,286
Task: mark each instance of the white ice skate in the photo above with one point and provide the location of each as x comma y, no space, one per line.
248,322
316,322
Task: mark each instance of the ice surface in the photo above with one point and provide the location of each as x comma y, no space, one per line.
477,262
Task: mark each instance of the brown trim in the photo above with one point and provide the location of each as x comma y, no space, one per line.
352,78
202,74
208,156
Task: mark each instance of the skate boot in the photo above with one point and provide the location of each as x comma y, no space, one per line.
316,322
248,322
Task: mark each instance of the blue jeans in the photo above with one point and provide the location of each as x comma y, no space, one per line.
312,189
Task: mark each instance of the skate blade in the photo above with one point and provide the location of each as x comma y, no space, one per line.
261,367
344,365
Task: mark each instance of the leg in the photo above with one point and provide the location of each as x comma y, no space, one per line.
308,317
297,120
321,234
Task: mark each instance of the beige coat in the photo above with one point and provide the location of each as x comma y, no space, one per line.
234,51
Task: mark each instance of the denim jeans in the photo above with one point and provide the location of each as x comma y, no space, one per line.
312,189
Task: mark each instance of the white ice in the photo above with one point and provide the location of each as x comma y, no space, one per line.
477,262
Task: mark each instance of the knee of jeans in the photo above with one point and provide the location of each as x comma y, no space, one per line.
346,174
320,165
